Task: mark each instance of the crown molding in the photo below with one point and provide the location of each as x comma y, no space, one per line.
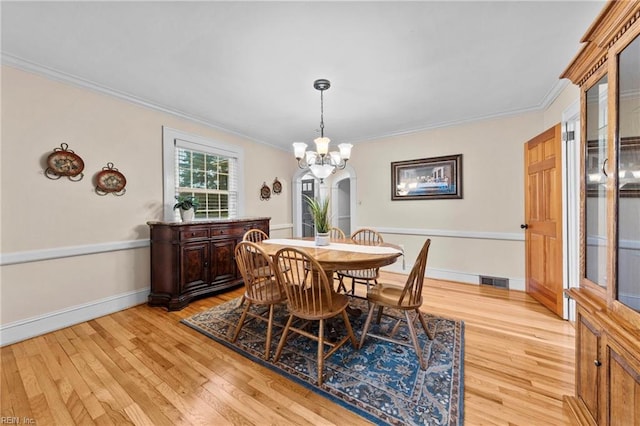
53,74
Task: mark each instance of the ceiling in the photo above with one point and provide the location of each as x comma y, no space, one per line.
249,67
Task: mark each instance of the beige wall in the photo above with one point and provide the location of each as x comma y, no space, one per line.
479,234
492,201
40,215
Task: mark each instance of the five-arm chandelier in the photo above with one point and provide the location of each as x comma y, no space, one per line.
321,163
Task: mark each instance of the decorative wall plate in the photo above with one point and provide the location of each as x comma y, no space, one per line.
265,192
64,162
277,186
110,181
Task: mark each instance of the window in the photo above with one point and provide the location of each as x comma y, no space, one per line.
205,169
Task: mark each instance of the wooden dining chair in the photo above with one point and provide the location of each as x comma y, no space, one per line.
405,298
363,236
255,235
310,298
261,287
336,234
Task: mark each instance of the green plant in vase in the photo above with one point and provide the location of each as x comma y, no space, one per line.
188,205
320,213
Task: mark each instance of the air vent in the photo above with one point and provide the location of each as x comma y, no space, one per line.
494,281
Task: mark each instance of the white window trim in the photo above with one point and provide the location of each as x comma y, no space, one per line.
198,143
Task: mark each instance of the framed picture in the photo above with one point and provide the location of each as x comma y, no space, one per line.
427,178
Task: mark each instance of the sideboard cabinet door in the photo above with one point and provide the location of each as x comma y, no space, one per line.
223,262
194,268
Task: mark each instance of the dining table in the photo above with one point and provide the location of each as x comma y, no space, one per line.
340,254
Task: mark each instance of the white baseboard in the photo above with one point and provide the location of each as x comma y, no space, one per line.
444,274
31,327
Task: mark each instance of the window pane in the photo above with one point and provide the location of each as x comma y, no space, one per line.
223,181
223,166
211,180
184,168
198,161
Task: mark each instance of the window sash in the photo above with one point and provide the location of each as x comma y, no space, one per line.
216,165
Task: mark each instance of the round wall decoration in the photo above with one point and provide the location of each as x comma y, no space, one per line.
110,181
265,192
64,162
277,186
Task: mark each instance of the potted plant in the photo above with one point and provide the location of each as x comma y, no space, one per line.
320,213
187,205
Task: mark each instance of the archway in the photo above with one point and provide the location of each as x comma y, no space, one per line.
342,187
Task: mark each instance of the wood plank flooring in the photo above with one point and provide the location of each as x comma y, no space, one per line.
140,366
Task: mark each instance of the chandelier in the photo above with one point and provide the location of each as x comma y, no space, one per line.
321,163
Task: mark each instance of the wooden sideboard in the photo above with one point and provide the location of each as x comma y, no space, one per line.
195,259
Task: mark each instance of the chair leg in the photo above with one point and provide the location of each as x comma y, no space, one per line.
283,339
414,338
347,324
320,351
424,324
241,301
367,324
267,346
341,285
241,322
379,317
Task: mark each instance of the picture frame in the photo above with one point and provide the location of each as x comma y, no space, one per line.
427,178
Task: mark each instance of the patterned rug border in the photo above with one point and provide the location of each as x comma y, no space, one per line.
325,393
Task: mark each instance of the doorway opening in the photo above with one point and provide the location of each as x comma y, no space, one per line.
341,187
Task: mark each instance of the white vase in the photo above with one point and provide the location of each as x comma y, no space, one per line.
187,215
322,238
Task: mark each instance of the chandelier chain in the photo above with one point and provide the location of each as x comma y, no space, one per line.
321,113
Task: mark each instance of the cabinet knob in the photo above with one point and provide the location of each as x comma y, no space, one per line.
597,363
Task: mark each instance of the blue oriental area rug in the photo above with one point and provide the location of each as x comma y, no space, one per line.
382,382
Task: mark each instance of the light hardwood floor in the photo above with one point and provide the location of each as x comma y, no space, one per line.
140,366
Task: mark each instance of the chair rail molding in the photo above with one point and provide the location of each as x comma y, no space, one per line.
71,251
480,235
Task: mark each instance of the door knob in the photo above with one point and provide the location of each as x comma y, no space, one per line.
524,226
597,363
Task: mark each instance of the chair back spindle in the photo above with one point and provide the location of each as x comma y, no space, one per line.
255,235
257,272
367,237
305,283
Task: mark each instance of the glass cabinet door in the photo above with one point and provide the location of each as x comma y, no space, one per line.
628,190
595,209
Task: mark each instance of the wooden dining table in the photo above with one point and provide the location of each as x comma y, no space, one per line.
342,254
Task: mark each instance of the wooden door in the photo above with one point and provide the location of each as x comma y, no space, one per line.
308,189
543,219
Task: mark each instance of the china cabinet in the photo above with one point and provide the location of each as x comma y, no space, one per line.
607,69
194,259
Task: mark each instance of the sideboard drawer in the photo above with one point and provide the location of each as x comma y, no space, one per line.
194,234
